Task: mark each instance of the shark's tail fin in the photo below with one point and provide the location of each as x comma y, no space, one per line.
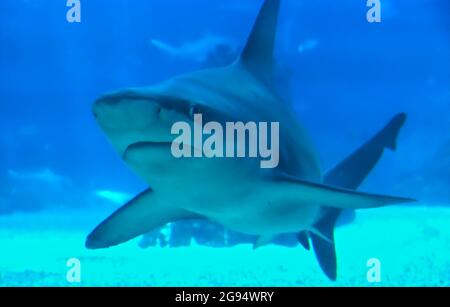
322,239
325,249
352,172
348,174
389,135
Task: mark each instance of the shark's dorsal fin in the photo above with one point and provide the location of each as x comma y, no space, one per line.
257,55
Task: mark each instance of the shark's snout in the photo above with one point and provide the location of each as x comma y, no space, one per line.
101,107
125,110
98,107
106,103
134,116
95,111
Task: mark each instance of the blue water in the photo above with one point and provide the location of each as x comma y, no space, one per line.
59,176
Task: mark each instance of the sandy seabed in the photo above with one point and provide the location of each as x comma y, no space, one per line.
412,244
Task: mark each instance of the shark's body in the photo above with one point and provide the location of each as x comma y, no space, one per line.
235,193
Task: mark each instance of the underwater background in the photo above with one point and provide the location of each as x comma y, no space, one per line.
346,77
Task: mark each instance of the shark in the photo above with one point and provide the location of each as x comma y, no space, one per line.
197,50
296,197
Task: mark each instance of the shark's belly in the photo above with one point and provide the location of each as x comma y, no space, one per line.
270,219
257,207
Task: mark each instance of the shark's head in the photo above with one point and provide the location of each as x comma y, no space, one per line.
133,116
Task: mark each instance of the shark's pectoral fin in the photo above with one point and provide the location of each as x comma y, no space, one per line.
326,196
141,215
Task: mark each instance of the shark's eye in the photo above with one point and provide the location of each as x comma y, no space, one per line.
158,110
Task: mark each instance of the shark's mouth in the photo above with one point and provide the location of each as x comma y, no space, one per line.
147,144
